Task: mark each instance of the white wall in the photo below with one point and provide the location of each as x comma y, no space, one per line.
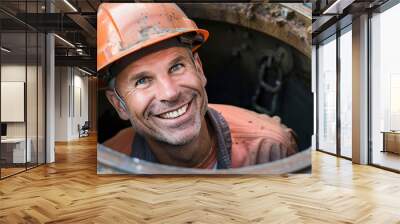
80,102
71,93
61,103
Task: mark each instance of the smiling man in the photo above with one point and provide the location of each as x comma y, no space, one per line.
147,54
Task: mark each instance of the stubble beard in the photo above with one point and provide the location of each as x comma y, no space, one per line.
166,138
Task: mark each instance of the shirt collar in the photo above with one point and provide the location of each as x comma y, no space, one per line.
141,150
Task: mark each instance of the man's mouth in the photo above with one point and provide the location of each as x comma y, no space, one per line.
176,113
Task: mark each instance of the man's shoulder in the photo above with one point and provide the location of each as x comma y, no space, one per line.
256,134
122,141
246,118
246,124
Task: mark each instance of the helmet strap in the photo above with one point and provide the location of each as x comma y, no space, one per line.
121,101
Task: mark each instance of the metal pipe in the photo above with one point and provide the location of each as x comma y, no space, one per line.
112,162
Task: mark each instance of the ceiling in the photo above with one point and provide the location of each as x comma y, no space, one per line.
75,22
332,15
72,20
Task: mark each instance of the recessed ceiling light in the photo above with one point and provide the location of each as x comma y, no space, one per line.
70,5
337,7
84,71
65,41
5,50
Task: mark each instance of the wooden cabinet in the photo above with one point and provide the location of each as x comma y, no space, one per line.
391,141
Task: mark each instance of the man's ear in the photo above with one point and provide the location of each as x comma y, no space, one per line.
199,67
118,106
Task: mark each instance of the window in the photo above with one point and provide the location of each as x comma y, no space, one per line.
385,89
22,88
327,96
346,92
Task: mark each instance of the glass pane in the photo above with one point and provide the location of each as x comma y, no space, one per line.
13,85
346,94
327,96
41,98
31,97
385,89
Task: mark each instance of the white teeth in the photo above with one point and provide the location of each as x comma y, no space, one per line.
175,113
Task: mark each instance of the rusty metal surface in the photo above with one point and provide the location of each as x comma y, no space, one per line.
290,23
113,162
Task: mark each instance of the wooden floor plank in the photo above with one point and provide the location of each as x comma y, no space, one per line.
70,191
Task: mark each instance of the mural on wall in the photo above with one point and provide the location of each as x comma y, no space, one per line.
204,88
12,98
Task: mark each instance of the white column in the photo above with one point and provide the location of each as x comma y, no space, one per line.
50,93
360,90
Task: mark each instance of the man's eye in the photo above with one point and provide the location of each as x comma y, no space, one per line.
176,67
141,81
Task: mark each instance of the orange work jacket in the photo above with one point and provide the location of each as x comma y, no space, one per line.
254,138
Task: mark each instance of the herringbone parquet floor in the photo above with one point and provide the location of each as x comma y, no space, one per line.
69,191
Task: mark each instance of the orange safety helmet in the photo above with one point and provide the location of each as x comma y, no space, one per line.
124,28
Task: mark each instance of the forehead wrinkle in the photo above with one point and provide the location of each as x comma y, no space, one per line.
170,56
176,59
180,56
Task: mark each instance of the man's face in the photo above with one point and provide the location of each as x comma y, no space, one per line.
164,95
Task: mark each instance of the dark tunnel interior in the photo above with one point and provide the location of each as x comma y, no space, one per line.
248,69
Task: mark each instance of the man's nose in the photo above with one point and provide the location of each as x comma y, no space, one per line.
168,89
